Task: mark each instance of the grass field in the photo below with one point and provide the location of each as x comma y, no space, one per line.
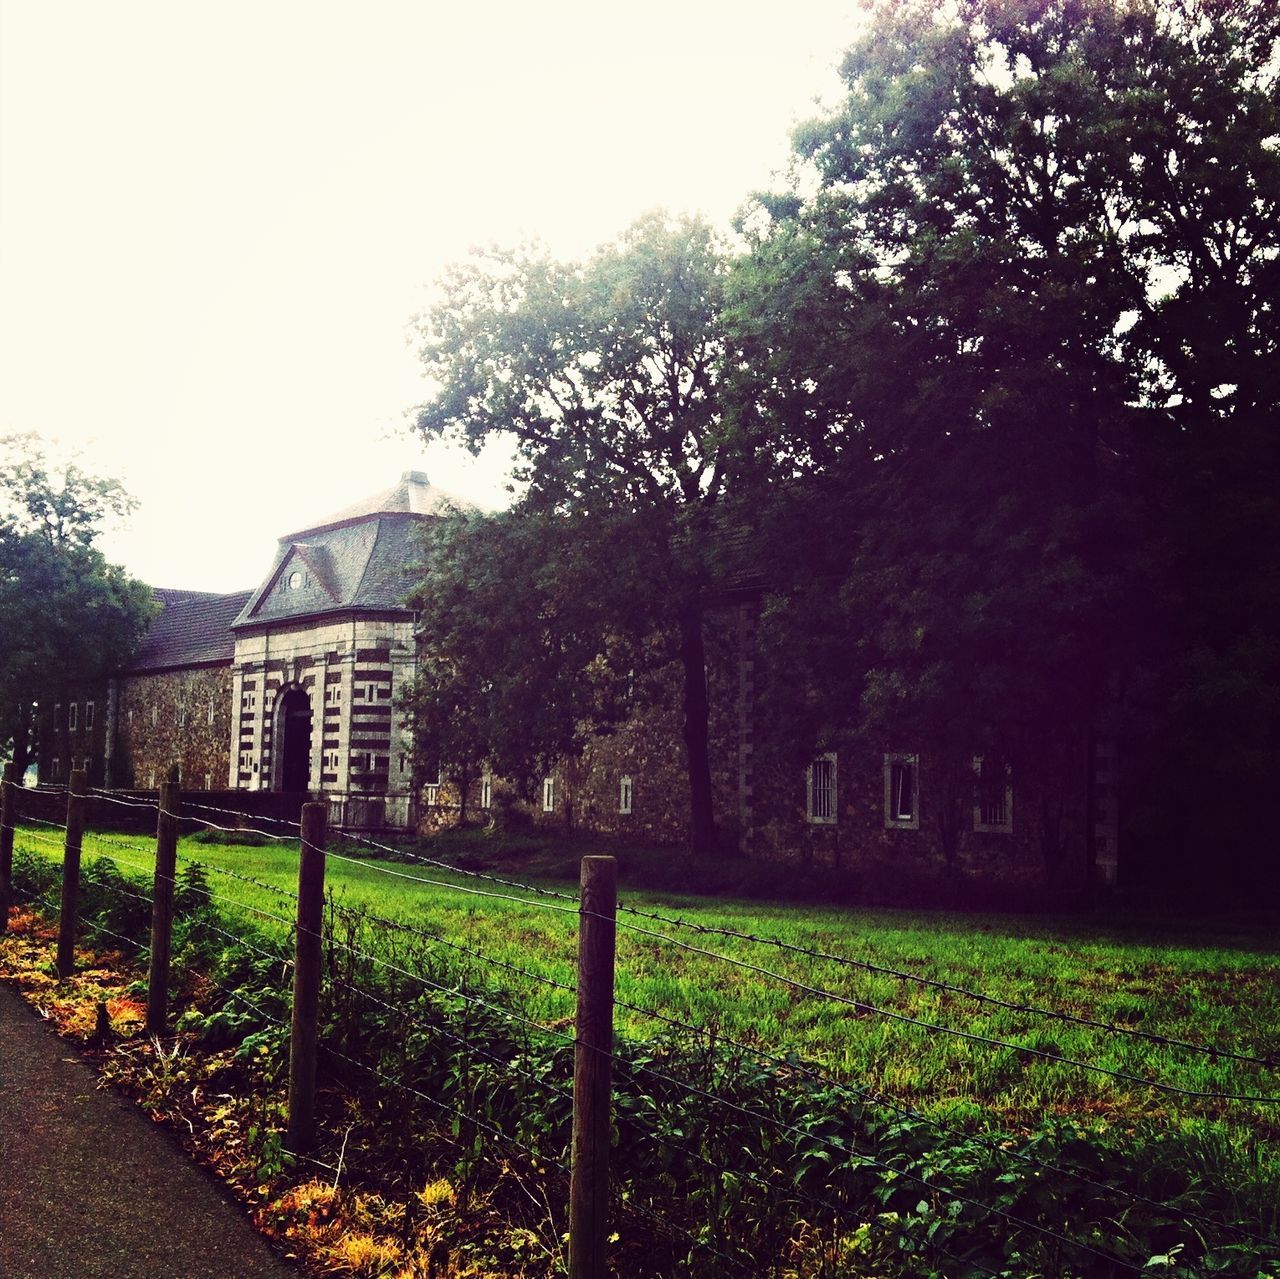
1200,982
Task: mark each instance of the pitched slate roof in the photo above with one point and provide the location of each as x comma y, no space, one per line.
356,559
412,494
192,628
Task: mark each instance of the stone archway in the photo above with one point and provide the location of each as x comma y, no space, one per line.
293,741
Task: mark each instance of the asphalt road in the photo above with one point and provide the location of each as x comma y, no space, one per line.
91,1189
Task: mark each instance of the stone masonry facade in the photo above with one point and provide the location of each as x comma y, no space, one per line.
293,688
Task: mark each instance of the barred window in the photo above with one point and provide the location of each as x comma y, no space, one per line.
820,790
902,792
993,797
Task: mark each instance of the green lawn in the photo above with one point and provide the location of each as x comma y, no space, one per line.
1192,981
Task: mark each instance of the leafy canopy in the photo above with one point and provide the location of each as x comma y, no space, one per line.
1020,338
67,614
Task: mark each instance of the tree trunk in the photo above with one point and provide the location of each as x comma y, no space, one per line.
464,784
697,714
22,741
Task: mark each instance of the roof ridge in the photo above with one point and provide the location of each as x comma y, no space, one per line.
373,550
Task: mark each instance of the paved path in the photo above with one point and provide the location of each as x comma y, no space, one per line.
91,1189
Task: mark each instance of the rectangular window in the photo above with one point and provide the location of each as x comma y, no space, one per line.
820,791
88,714
902,792
209,720
71,716
548,794
208,781
332,694
87,765
182,717
55,765
993,796
57,715
155,716
248,701
624,795
486,791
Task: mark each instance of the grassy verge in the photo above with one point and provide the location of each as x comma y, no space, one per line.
1220,987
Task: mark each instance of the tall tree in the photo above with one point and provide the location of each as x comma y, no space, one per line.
67,615
526,648
1025,330
606,376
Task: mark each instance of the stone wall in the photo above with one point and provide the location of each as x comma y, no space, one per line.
648,751
180,717
73,732
350,670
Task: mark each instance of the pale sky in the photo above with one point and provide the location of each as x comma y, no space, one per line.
217,221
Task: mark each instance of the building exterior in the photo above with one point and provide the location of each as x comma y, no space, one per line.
287,688
290,690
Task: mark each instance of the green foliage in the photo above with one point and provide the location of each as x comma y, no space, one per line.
528,643
68,615
1017,346
606,376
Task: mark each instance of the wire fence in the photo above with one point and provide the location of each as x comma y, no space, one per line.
727,1152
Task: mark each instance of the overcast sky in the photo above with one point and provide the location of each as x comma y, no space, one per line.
216,221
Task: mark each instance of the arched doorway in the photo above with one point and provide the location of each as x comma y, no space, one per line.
293,733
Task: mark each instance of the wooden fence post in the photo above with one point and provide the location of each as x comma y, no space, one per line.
8,802
162,907
306,981
593,1059
71,875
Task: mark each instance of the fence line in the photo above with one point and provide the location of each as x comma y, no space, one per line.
604,1052
863,1006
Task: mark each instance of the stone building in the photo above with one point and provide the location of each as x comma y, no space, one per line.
287,688
290,689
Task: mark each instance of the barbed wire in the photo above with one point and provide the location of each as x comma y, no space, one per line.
284,961
111,797
497,1133
190,802
847,1151
397,925
714,1098
866,1095
40,839
534,889
862,1093
457,888
229,830
235,874
1211,1050
746,1263
457,1039
22,819
454,991
971,1036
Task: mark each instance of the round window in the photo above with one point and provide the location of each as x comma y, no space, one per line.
295,580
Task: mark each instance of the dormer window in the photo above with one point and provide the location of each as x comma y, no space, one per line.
295,580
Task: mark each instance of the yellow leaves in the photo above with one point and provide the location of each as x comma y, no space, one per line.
126,1014
363,1254
436,1192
